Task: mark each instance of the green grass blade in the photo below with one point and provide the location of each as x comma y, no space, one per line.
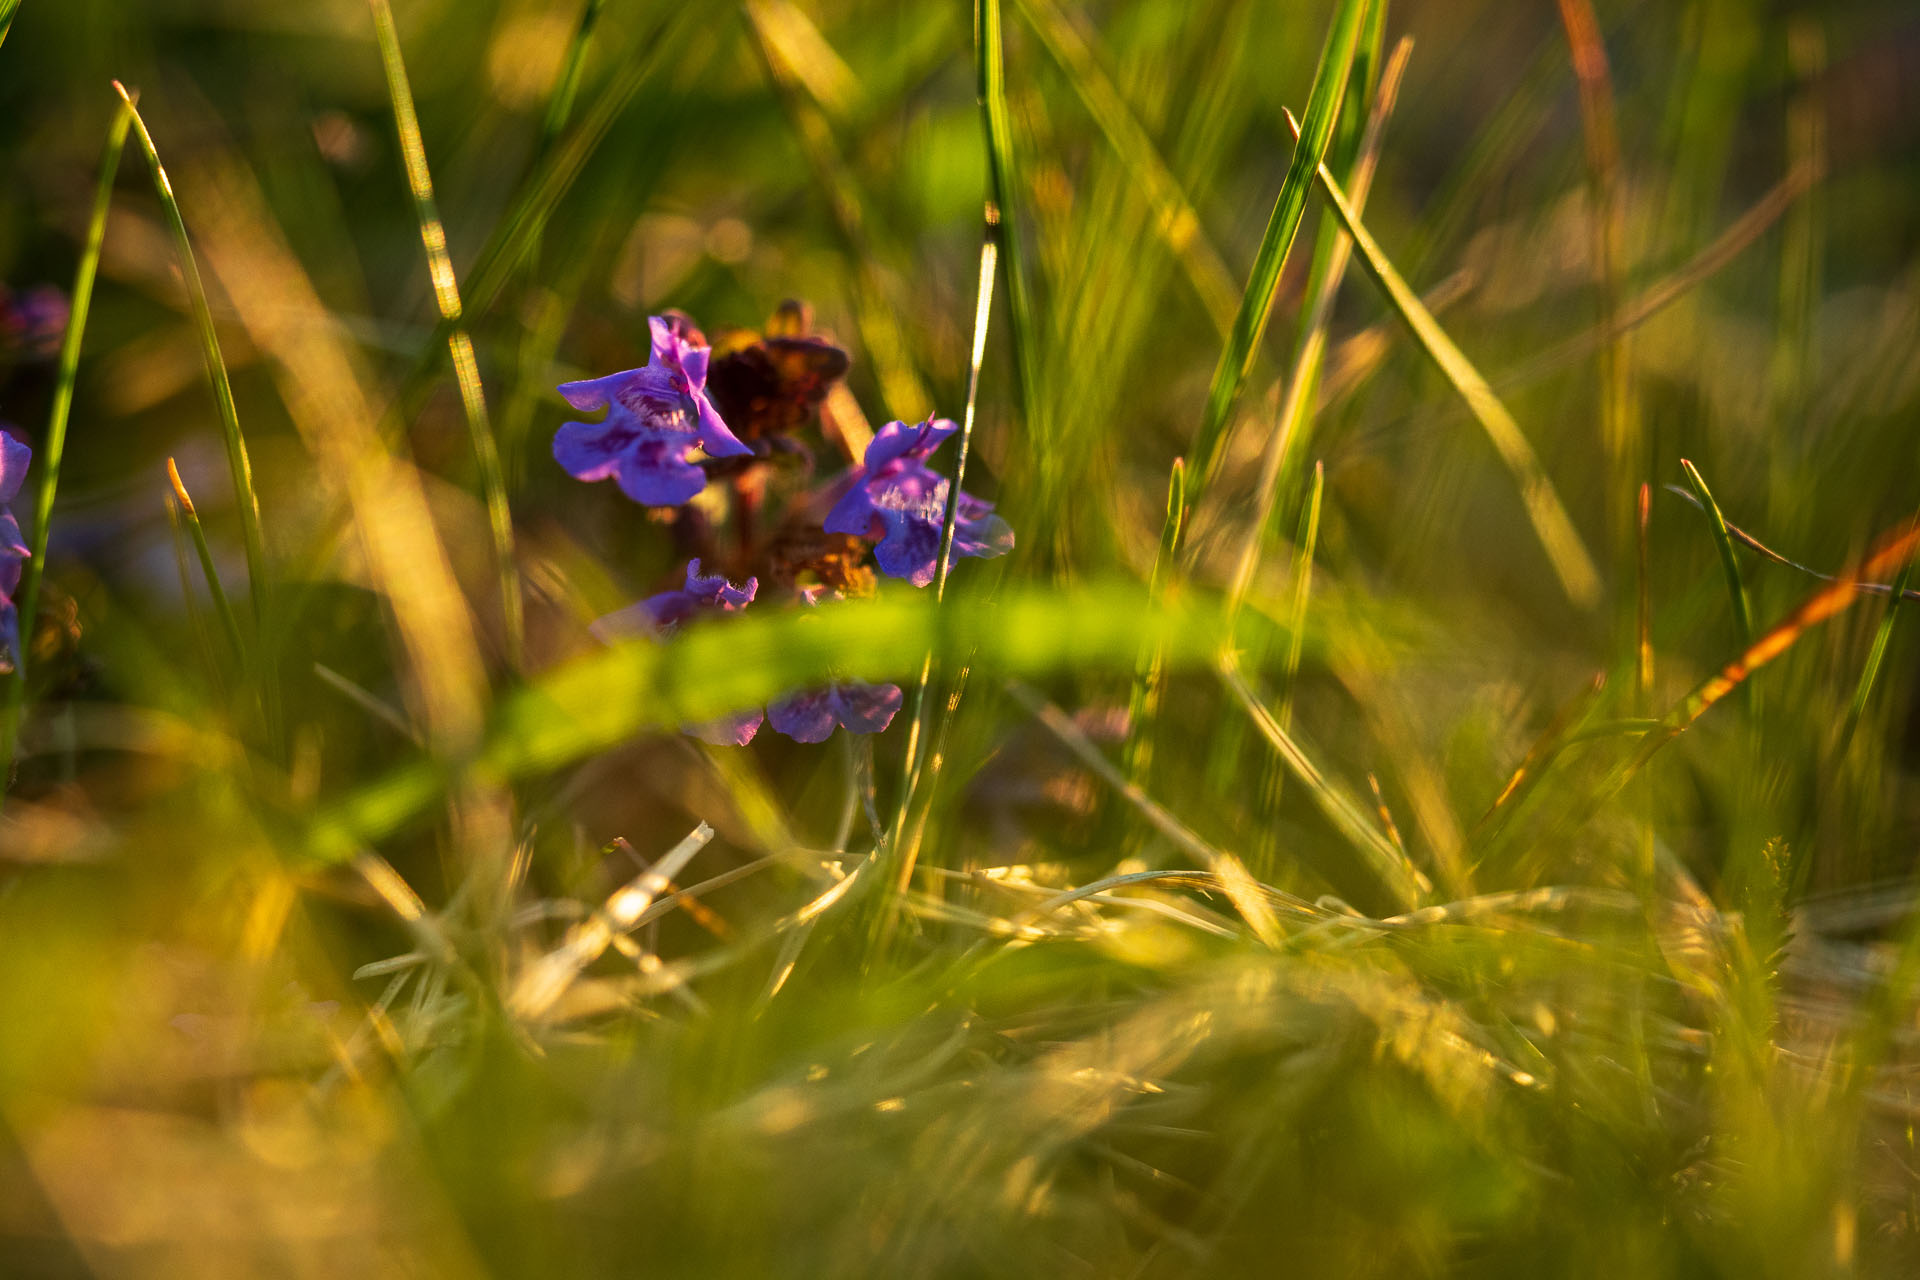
1405,882
1175,218
7,9
67,375
997,123
1561,541
607,697
1256,302
446,295
1305,543
1298,404
1729,562
1876,656
222,606
1143,707
246,501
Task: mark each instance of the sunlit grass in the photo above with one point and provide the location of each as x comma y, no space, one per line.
1329,841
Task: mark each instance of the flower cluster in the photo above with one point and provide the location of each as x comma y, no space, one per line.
14,458
741,411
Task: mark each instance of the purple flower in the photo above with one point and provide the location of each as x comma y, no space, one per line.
655,417
662,615
14,457
813,716
899,500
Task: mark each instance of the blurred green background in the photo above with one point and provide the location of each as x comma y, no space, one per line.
1690,1051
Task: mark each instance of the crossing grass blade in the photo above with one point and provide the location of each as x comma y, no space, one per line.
446,296
1256,302
1175,219
246,501
1568,554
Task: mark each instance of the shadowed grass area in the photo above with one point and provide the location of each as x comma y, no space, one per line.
1315,832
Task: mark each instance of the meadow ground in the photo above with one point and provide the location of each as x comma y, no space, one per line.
1408,768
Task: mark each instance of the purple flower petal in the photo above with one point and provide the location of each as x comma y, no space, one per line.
901,502
866,708
14,457
656,417
804,717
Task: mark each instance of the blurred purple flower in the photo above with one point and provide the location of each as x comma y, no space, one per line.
35,320
662,614
899,500
655,417
14,457
813,715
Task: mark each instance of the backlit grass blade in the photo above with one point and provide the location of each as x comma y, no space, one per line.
1297,406
66,375
1143,707
183,503
1876,656
1256,302
1893,554
7,9
1551,524
1405,883
1175,219
1729,563
446,296
1002,187
246,502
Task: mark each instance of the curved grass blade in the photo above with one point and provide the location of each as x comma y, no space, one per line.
446,295
245,500
1256,302
1747,540
1567,553
1175,218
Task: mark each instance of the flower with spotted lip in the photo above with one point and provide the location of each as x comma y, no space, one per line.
901,501
656,416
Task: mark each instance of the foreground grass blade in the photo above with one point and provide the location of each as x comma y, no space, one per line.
7,9
606,698
55,446
246,502
1567,553
446,295
1175,218
1256,302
